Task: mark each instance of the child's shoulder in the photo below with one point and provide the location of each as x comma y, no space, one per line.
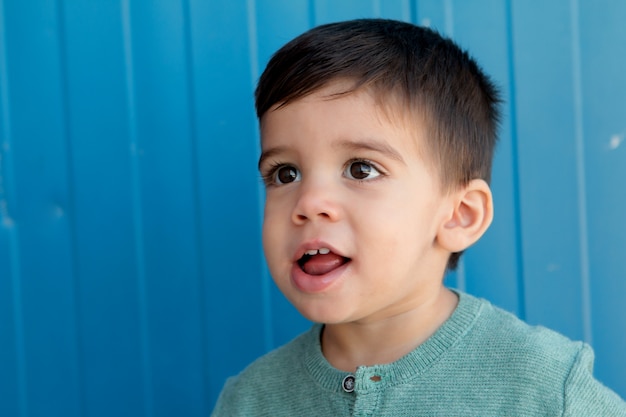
501,329
500,341
272,378
532,366
281,360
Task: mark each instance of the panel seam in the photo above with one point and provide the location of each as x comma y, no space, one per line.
137,210
521,293
191,98
580,172
71,201
6,170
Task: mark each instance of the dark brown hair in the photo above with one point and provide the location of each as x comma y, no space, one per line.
440,85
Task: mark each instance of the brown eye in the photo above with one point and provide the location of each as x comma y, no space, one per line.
286,174
361,170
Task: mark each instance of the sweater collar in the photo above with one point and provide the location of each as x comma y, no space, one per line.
370,378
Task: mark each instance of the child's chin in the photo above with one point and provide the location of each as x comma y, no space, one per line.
325,315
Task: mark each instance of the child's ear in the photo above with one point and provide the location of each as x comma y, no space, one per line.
471,216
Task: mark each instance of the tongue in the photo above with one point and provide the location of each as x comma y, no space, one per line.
322,264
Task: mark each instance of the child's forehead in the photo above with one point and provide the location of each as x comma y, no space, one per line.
390,106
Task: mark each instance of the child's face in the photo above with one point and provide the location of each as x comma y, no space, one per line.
346,178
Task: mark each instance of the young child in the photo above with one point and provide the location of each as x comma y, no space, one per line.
377,140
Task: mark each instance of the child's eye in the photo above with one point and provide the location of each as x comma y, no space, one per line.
285,174
361,170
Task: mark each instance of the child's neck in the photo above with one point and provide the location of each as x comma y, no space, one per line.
349,345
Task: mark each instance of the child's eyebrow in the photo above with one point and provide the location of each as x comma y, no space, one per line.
371,145
352,145
269,153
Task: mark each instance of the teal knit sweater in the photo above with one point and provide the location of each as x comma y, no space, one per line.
481,362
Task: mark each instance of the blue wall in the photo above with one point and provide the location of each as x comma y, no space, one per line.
132,281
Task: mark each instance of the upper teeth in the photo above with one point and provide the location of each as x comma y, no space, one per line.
321,251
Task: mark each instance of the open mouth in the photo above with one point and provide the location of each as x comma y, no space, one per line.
321,261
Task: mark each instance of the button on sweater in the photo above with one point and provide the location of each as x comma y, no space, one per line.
482,362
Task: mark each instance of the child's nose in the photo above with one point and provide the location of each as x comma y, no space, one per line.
316,201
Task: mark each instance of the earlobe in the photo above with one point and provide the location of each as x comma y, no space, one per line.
471,216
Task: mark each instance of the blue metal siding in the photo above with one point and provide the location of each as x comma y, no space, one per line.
109,273
34,218
602,42
132,279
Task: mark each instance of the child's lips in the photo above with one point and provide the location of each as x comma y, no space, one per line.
315,284
315,247
317,267
321,263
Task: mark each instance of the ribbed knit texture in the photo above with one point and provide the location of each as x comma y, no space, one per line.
481,362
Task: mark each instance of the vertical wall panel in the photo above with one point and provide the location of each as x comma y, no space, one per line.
44,289
327,11
549,191
435,14
109,311
165,209
603,65
12,384
277,22
331,11
399,10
